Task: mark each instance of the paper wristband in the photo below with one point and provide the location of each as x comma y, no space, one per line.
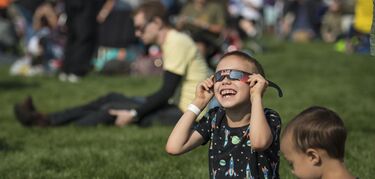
193,108
133,112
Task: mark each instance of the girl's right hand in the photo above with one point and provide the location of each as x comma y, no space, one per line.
204,92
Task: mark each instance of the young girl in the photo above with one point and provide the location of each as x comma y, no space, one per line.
243,135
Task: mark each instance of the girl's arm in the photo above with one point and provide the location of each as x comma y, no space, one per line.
260,132
183,138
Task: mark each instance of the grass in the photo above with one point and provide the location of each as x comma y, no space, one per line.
310,74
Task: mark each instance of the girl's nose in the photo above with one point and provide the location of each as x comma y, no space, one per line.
226,80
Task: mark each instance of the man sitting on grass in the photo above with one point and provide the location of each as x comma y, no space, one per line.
183,69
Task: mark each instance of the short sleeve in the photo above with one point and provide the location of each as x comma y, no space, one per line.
203,128
274,121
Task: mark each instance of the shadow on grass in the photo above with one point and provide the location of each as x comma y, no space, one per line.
16,85
6,147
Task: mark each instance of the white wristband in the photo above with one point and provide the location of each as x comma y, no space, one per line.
133,112
193,108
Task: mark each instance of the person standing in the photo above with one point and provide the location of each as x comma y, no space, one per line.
81,38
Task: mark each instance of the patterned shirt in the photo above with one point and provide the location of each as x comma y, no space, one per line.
230,153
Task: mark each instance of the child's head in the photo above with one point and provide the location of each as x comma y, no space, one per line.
313,136
251,63
232,71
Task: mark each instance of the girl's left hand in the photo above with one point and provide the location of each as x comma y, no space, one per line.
257,84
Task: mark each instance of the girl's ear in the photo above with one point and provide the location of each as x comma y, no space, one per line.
313,156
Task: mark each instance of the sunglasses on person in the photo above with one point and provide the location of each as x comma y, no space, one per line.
141,29
241,76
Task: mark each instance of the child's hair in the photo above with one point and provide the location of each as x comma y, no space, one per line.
259,69
318,127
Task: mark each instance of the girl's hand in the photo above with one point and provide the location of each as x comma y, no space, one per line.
204,92
257,84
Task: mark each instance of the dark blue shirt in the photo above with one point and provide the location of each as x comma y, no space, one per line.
230,153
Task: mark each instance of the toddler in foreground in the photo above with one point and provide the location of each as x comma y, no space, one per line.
313,143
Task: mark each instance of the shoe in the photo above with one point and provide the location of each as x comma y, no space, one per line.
40,119
73,78
23,114
63,77
28,103
27,114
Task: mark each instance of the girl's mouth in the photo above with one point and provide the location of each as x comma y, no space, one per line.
226,93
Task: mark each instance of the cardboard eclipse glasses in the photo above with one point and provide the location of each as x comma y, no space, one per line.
241,76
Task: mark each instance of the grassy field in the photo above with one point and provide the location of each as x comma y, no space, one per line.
310,74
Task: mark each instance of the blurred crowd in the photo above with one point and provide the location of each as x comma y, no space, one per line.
70,38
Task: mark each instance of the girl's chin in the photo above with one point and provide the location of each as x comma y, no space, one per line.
231,103
227,104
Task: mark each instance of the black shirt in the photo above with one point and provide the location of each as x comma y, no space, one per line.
230,153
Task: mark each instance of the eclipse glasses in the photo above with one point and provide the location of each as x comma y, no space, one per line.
241,76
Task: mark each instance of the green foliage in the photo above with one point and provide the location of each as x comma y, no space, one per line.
309,74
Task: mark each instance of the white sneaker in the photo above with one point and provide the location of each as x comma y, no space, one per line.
73,78
63,77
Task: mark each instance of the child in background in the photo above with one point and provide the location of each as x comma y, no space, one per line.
313,143
244,136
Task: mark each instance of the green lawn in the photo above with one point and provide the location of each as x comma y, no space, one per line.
310,74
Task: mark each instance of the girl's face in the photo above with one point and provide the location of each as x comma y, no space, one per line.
232,93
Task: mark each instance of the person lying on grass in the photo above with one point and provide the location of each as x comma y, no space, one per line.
243,136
